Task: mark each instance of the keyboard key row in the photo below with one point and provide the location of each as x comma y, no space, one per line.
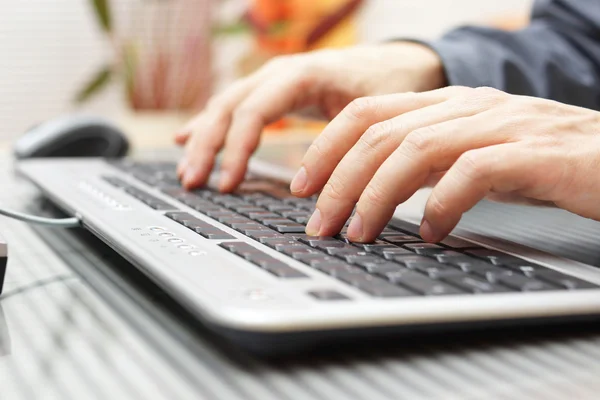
197,225
141,195
262,260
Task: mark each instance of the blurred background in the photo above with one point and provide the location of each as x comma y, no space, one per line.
150,64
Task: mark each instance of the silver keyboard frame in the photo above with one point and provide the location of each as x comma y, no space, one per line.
231,293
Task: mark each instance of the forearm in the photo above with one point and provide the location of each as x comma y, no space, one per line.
556,57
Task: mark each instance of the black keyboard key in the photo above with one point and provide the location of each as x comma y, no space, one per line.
343,252
409,260
436,270
231,219
327,295
424,285
564,281
160,205
245,209
334,267
282,270
399,239
485,270
215,234
287,227
279,208
241,249
427,249
274,242
524,267
265,202
266,262
261,216
375,248
314,241
524,283
263,234
247,227
216,212
385,268
399,275
367,262
391,252
300,220
179,216
476,285
494,256
355,278
116,182
405,227
383,289
291,250
364,258
196,224
295,213
313,259
452,257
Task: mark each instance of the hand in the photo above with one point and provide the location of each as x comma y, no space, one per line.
327,79
377,152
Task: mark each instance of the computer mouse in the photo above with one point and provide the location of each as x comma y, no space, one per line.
72,136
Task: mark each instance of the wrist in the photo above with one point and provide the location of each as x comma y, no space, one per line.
422,63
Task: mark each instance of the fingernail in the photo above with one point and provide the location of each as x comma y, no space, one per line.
427,232
355,229
181,167
314,224
299,182
224,180
188,178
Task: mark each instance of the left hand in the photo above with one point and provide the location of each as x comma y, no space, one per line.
482,142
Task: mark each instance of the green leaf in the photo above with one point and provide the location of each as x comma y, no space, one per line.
235,28
102,9
99,81
129,66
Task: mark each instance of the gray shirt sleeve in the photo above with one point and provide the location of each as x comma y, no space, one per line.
557,56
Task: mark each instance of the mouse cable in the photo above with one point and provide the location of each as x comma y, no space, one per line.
51,222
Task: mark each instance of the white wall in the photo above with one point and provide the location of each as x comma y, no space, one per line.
48,48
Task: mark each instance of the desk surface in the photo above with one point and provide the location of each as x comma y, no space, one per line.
72,328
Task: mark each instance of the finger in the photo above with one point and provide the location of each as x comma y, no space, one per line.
497,169
359,165
205,134
346,128
271,101
182,136
422,156
434,178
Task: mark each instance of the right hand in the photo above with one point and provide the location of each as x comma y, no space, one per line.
326,79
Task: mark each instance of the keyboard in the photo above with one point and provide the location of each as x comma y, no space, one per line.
398,264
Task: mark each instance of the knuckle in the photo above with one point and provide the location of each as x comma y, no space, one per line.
419,141
318,147
362,107
377,135
303,79
375,194
471,165
489,93
246,112
334,188
435,206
